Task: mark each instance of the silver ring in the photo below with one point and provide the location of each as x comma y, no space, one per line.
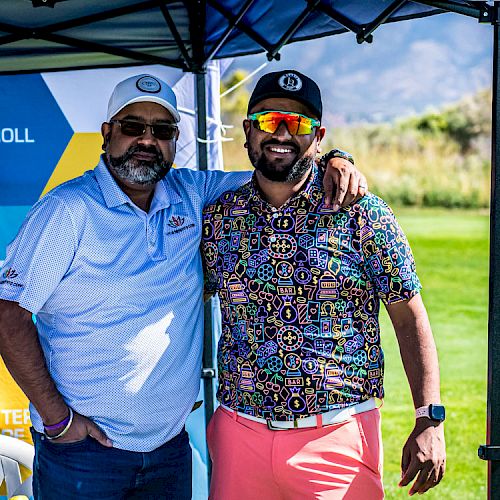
362,187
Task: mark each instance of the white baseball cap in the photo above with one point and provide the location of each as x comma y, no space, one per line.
142,88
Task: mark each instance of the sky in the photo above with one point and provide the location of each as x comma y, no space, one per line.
411,67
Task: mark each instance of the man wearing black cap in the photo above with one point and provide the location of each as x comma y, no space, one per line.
300,362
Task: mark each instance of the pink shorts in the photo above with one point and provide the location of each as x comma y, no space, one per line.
251,462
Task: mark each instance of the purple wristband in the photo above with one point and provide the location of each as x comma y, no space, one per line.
62,423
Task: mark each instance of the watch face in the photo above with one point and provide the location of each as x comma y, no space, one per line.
436,412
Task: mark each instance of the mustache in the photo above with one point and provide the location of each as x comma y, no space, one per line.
274,142
144,149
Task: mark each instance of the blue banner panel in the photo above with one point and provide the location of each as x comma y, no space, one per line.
11,219
33,135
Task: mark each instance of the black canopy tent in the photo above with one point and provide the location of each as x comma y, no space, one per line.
82,34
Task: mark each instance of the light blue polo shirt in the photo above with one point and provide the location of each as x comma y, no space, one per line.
117,295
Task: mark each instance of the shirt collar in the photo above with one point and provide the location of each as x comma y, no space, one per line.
311,191
165,193
113,195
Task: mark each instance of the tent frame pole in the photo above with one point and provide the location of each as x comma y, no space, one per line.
491,451
493,407
231,27
208,370
294,27
365,35
233,21
175,33
198,9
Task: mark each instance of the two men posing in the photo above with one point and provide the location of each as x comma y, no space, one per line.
112,366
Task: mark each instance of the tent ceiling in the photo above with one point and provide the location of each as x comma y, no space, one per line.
44,35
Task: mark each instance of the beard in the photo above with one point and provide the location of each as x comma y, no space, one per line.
277,171
142,172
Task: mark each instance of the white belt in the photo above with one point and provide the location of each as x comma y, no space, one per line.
328,418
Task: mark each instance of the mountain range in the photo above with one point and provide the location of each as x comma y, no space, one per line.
411,66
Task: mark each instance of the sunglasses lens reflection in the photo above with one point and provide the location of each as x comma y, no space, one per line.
296,124
132,129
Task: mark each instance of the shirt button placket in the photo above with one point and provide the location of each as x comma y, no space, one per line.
151,236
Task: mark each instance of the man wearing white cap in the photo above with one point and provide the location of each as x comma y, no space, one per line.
109,265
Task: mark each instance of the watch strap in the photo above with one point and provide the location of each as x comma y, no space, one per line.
423,411
336,153
435,412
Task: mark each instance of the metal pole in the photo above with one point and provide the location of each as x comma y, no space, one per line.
208,371
197,22
201,115
493,407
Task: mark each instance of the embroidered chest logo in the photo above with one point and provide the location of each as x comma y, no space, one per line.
176,221
179,224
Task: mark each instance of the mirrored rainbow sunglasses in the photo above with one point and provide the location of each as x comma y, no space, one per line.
297,124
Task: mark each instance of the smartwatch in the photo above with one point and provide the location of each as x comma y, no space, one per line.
434,412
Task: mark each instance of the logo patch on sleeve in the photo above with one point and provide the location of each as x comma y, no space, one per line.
10,272
8,275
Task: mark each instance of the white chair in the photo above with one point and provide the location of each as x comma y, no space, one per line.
14,452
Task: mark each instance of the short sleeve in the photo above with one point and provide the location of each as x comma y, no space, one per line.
209,252
388,259
218,182
40,255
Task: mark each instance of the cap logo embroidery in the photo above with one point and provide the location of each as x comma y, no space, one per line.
290,82
148,84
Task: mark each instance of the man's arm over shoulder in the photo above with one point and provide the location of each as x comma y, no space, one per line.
424,452
343,183
218,182
209,184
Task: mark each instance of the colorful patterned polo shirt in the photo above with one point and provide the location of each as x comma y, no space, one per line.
300,289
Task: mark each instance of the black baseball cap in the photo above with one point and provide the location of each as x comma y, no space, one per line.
290,84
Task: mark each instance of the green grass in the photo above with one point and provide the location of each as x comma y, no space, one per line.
451,250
